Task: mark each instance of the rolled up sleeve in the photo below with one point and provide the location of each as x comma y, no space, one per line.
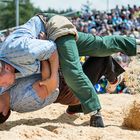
42,49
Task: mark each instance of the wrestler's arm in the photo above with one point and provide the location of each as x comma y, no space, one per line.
42,91
50,82
45,70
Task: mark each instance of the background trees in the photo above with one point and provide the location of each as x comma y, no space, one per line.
7,14
26,11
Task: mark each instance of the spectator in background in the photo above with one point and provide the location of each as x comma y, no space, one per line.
119,19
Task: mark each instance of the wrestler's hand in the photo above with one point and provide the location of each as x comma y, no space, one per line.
42,36
50,84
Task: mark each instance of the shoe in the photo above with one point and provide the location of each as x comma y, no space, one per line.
71,110
110,88
96,120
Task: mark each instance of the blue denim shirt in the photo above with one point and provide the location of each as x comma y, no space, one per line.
24,51
23,98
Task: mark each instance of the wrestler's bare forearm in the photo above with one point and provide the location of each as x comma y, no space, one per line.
51,83
42,91
45,70
54,65
46,88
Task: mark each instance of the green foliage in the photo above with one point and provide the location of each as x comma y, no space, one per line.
26,11
8,16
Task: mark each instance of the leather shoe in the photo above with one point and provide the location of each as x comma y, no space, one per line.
96,120
72,109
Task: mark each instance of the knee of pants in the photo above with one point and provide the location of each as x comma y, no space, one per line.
76,79
72,74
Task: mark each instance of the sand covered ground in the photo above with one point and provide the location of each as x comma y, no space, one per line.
51,123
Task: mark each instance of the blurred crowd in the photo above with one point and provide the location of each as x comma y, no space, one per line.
124,21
